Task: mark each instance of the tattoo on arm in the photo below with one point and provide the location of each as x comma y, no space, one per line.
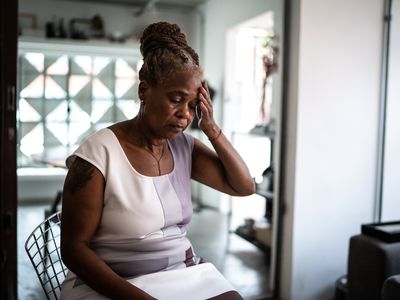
81,173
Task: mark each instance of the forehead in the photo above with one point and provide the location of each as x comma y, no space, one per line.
188,81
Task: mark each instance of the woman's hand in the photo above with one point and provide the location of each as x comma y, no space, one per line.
205,113
224,169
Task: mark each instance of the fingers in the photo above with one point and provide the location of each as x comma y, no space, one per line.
205,92
205,105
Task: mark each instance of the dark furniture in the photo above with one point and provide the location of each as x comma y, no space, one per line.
373,269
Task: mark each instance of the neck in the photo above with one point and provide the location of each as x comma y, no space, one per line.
142,135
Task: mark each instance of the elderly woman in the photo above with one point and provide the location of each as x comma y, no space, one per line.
127,197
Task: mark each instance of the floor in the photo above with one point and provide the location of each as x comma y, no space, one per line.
242,264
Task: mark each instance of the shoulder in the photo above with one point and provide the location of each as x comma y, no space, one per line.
184,140
94,149
101,138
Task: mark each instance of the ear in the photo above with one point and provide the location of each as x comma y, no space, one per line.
143,89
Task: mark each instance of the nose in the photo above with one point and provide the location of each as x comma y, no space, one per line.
184,111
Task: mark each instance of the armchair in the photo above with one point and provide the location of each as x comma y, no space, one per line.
373,269
391,288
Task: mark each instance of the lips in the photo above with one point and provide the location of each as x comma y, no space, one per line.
177,127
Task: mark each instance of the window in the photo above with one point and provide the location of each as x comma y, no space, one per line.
63,98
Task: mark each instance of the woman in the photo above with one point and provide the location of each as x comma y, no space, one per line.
127,197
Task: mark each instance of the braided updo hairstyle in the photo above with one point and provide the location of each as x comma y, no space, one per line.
165,50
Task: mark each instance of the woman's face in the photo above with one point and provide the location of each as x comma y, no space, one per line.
170,107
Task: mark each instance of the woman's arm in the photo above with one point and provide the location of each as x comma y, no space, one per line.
81,212
223,169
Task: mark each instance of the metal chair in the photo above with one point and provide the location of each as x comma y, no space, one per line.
43,248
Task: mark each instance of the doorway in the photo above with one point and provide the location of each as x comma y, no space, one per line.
252,108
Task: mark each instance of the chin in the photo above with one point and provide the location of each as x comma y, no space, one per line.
174,135
174,132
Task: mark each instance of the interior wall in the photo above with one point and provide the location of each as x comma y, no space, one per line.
334,72
391,175
289,107
216,26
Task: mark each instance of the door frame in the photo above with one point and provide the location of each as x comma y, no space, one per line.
8,161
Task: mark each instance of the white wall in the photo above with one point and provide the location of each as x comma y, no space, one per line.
334,82
391,191
220,16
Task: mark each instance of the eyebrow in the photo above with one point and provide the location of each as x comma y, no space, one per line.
182,94
178,92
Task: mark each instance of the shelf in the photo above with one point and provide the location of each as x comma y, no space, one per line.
243,233
129,49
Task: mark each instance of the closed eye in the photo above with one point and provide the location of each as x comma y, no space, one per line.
176,100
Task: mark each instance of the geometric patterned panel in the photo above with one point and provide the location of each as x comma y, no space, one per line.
37,104
25,128
124,87
99,109
124,69
100,64
56,65
119,115
55,87
100,90
63,99
59,130
81,65
27,71
77,114
106,79
77,83
129,108
84,99
33,89
50,138
27,113
36,60
26,78
109,116
57,111
32,142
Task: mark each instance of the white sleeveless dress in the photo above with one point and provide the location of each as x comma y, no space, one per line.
143,226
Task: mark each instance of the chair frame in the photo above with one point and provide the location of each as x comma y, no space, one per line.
48,265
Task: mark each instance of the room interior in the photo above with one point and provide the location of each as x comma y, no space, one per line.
335,144
74,80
